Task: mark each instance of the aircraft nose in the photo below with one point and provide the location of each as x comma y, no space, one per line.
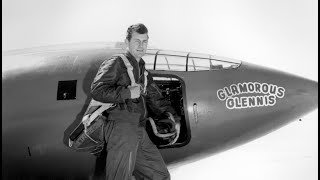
300,94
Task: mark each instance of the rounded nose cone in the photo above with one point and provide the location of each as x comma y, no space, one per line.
303,94
300,96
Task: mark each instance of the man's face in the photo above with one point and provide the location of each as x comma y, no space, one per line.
138,45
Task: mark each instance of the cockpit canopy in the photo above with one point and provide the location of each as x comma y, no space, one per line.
184,61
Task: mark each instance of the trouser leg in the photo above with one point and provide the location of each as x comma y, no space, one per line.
149,163
122,149
100,166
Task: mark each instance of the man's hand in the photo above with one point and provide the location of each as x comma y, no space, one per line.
135,91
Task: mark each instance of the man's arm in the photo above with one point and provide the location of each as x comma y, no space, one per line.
104,87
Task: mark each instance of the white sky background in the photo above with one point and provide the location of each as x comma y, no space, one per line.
281,34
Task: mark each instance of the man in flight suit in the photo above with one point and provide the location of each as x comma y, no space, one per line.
130,152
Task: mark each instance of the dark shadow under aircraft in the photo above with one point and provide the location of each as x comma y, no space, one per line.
223,103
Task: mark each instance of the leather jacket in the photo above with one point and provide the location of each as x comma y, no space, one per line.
111,82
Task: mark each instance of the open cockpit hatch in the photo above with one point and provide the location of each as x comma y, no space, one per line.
173,90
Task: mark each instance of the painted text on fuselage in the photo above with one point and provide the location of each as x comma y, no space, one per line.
264,95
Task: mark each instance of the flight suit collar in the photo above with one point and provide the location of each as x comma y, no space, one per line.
139,76
133,60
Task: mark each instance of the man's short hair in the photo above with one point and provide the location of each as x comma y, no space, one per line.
139,28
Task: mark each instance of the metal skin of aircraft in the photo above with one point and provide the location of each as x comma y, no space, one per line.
223,103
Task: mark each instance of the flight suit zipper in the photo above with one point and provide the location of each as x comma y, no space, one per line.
143,101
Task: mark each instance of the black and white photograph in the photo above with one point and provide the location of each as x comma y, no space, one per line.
160,90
